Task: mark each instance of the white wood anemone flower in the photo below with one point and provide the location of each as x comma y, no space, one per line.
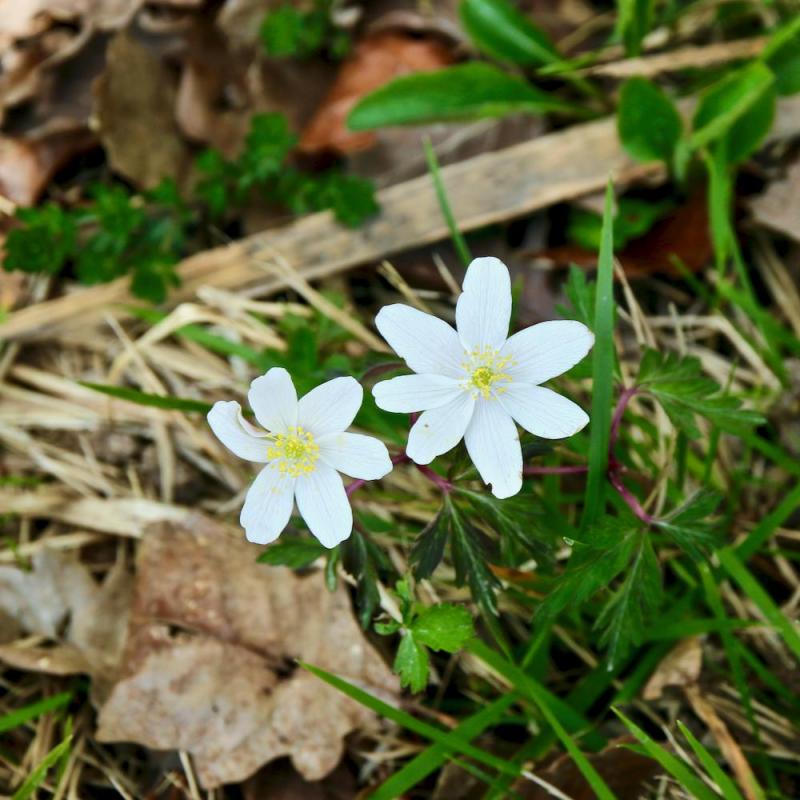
305,445
474,383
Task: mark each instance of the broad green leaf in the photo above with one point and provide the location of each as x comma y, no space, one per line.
782,56
502,32
726,103
634,218
463,92
634,20
293,552
411,663
649,125
154,400
443,627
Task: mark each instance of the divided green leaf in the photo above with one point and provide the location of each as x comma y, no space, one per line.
411,663
684,392
690,525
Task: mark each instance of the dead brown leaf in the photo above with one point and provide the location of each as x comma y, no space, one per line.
680,667
778,208
135,119
209,667
58,600
625,771
376,60
683,235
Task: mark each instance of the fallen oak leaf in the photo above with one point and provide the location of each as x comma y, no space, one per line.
209,663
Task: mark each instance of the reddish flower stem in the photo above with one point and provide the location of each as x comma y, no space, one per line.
435,478
633,504
619,411
579,469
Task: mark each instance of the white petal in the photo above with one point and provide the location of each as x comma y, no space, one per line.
408,393
543,351
439,429
426,343
356,455
268,506
330,407
323,504
483,310
225,419
274,400
493,445
542,411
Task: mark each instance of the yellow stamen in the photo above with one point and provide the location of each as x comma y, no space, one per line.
294,453
484,368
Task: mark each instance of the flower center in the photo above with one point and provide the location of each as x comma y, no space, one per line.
294,453
484,367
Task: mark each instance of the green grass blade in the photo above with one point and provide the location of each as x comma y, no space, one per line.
674,766
748,584
754,540
155,400
448,739
459,241
434,756
525,685
603,369
715,772
39,773
22,715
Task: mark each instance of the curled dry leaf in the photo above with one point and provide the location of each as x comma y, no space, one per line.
680,667
209,666
376,60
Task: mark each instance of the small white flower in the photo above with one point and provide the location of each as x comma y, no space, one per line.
304,447
474,383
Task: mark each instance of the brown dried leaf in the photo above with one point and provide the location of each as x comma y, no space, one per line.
28,165
376,60
778,207
59,600
680,667
224,687
136,118
625,771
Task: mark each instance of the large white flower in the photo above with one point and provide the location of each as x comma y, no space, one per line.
304,446
474,383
